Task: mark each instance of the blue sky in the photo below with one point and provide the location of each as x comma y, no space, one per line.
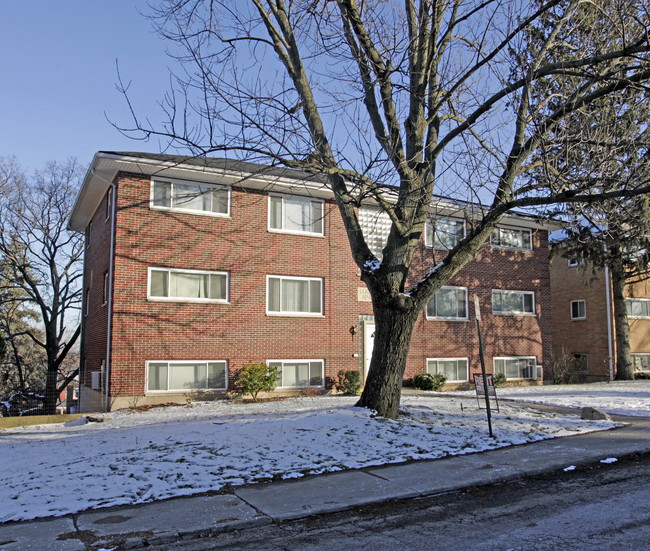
58,77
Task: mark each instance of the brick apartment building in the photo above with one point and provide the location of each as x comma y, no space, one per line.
583,318
194,267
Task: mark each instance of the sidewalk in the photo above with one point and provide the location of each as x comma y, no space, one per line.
255,505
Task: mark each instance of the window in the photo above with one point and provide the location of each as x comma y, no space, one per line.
513,302
299,373
581,362
190,197
638,307
89,234
189,285
455,369
105,289
448,303
578,310
294,295
295,214
575,260
516,367
511,238
109,202
87,302
641,362
375,225
186,375
448,233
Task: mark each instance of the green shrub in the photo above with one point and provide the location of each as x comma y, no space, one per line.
499,380
257,377
349,382
426,381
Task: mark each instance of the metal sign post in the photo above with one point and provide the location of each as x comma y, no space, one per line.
477,311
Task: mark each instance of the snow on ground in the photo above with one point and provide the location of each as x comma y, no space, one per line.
617,397
135,457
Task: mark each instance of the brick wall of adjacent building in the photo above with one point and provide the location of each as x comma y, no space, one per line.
589,337
639,328
95,313
241,331
584,337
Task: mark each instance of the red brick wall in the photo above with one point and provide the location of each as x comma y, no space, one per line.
588,336
241,331
95,323
503,335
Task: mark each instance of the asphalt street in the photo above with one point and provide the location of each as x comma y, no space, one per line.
603,506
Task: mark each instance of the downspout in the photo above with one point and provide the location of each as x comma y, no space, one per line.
111,266
610,344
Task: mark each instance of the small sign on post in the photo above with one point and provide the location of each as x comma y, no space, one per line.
480,388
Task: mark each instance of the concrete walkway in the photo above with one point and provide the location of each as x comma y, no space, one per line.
255,505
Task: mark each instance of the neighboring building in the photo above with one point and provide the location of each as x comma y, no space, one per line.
583,318
194,267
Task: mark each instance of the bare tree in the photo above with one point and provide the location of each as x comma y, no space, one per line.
393,103
605,147
40,262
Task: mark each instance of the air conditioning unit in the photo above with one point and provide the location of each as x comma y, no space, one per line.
540,372
96,380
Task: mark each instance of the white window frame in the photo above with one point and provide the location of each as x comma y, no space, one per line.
430,241
514,312
294,313
643,355
584,310
510,247
281,370
176,391
89,234
466,360
310,200
87,302
199,212
506,358
575,260
443,318
187,299
645,301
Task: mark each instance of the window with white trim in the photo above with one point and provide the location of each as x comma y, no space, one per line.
638,307
87,302
448,233
186,375
190,285
375,225
89,234
190,197
299,373
293,214
641,362
578,309
455,369
516,367
575,260
294,295
449,303
512,238
513,302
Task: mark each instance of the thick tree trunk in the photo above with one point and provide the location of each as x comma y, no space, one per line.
624,364
393,331
51,397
